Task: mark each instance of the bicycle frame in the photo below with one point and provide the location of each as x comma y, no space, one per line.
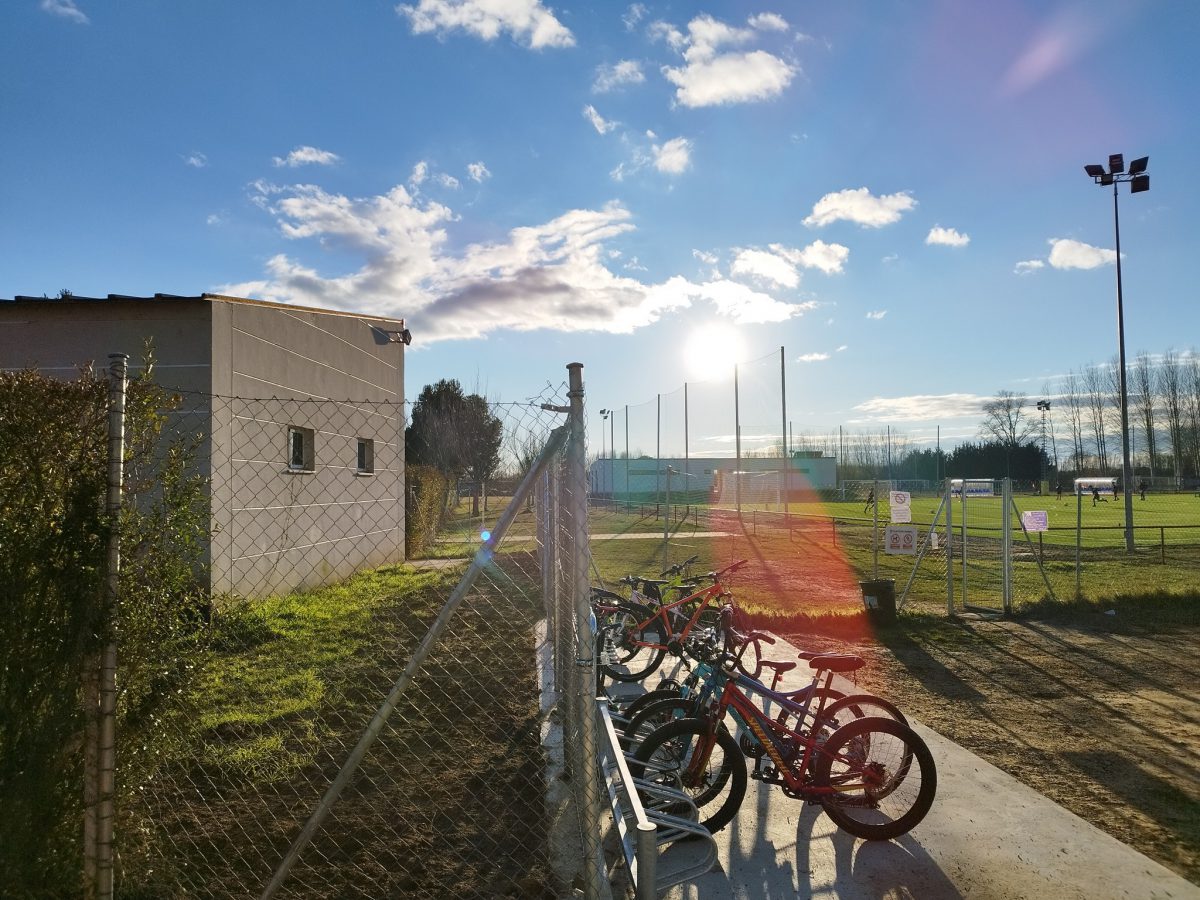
667,611
771,734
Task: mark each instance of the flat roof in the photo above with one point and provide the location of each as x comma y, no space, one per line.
210,297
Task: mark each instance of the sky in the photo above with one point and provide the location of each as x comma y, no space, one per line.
891,191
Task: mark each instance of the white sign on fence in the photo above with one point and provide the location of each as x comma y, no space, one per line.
900,539
901,504
1035,520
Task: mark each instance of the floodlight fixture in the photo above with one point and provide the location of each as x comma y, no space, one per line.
1138,182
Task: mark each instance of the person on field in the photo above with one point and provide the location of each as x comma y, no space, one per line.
1058,490
1142,489
870,501
1096,495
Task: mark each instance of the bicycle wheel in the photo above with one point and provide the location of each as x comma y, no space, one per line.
883,775
749,659
638,704
666,755
654,716
860,706
625,635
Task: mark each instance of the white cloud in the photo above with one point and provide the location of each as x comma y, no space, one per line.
712,78
633,15
303,156
65,9
780,264
764,266
768,21
419,173
1029,266
634,265
730,78
611,77
478,172
214,219
841,348
674,157
829,258
812,357
548,276
890,258
877,314
195,160
666,32
947,237
526,20
705,257
921,408
858,205
447,181
602,125
1068,254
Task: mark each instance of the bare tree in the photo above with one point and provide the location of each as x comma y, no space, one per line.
1072,393
1192,390
1005,421
1170,388
1095,386
1143,400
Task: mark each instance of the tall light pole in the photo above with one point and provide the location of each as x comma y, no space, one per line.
1044,407
1138,181
606,415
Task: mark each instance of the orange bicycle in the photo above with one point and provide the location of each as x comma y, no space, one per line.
637,638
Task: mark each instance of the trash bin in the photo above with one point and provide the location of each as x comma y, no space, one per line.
879,597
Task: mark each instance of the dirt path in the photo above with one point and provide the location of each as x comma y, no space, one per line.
1100,716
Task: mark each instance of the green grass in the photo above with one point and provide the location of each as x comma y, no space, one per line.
300,648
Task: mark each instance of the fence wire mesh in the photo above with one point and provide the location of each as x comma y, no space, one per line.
295,615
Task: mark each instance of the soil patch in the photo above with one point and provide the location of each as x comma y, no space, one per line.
1100,715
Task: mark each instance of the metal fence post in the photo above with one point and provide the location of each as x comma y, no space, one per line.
949,547
100,866
575,520
1078,538
1006,545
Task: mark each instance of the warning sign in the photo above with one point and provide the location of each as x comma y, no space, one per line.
900,540
1035,520
901,504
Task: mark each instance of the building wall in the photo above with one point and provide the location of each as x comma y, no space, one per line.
339,376
246,372
647,478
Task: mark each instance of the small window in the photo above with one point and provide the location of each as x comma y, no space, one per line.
301,454
366,456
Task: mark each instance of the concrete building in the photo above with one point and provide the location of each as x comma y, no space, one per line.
300,411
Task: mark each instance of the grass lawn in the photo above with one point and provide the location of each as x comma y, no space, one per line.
285,693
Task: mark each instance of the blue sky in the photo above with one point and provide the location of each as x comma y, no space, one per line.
891,191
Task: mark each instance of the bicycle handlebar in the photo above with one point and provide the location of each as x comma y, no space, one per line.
679,568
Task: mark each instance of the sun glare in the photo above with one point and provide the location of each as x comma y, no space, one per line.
710,352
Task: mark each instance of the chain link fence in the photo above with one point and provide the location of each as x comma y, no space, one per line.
341,721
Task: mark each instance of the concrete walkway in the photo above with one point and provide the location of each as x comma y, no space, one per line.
988,836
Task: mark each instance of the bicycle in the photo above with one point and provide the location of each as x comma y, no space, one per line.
874,777
689,698
640,637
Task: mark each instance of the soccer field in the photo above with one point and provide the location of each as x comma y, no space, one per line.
1167,518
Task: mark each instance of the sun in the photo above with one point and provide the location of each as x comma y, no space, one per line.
710,351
